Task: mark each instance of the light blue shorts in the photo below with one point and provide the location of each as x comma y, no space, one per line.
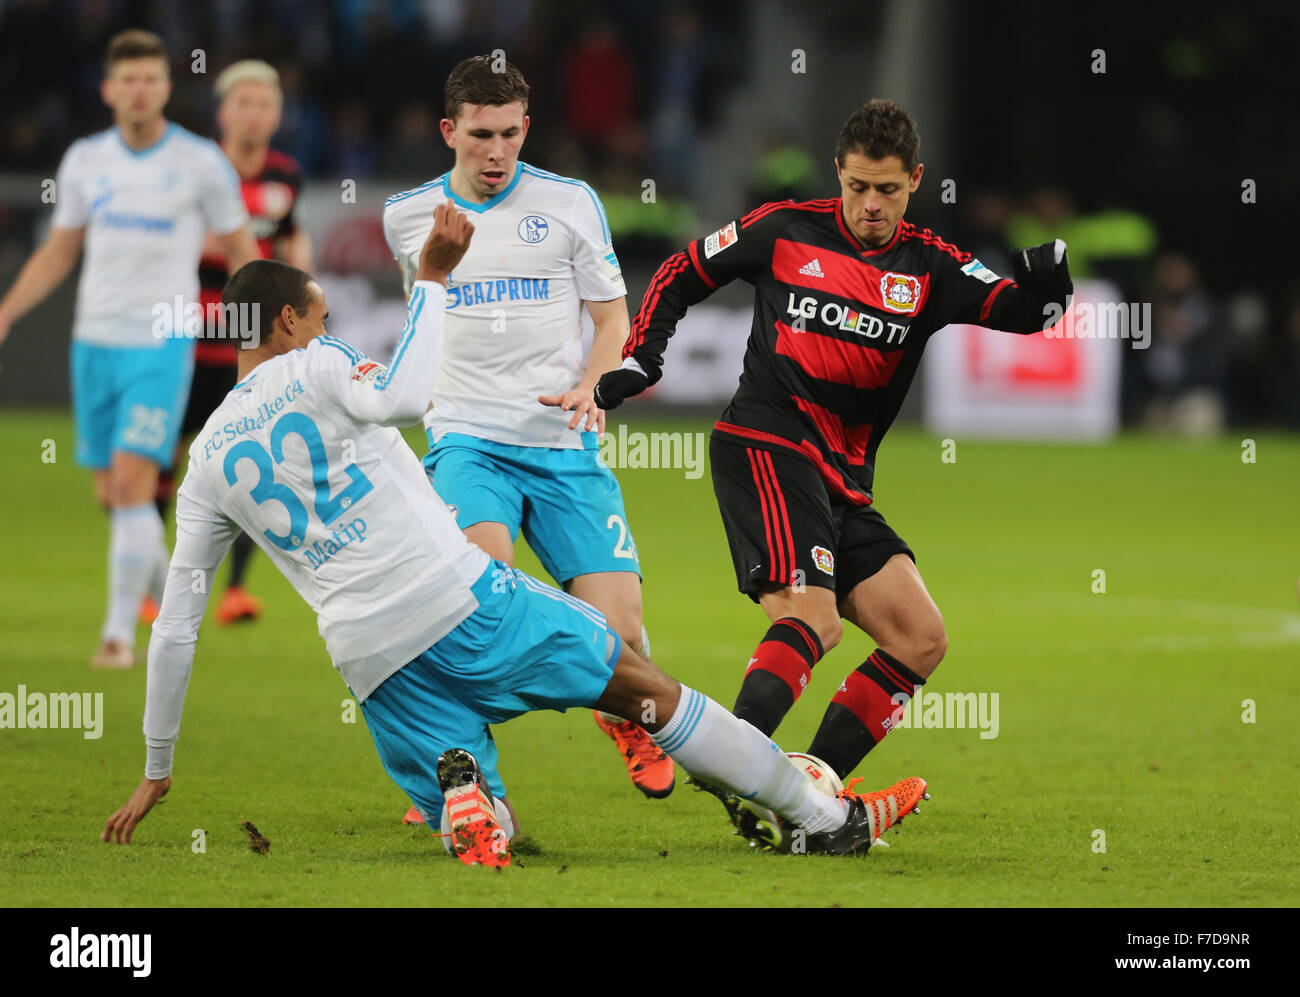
130,398
567,502
527,647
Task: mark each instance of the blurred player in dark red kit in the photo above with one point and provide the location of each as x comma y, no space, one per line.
846,295
247,117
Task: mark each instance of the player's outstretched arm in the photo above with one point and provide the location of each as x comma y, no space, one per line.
675,286
737,250
399,394
44,270
203,536
1038,297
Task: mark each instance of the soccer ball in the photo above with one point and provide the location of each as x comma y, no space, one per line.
822,775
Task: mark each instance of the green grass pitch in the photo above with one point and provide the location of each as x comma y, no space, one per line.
1120,713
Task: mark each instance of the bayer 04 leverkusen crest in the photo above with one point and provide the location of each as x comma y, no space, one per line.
900,291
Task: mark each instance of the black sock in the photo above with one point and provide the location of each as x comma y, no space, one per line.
863,711
777,673
763,701
239,554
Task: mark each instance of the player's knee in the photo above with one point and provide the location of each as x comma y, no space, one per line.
829,632
828,627
132,482
618,597
827,624
626,621
929,645
814,606
123,489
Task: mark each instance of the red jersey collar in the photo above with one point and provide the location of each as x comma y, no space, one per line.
853,240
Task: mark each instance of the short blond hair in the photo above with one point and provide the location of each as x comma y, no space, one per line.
134,43
246,71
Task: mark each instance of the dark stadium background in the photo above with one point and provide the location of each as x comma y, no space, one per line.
1196,98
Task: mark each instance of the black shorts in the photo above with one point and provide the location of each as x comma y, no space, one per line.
784,529
212,382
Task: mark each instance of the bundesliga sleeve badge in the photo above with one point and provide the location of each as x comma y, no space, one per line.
720,240
900,292
367,372
979,271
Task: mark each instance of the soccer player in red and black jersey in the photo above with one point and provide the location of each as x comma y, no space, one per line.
846,295
248,116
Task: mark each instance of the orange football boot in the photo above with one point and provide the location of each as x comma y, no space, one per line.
476,836
413,816
650,770
869,816
237,605
890,805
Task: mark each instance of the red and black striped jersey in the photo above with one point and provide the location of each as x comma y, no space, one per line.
270,197
838,330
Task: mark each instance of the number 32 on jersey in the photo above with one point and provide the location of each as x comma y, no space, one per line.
266,489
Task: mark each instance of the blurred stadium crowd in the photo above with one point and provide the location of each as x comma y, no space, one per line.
363,80
626,90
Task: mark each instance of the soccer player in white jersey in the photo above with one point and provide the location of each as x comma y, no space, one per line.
511,440
435,639
139,197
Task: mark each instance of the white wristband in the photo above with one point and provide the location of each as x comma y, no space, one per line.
158,761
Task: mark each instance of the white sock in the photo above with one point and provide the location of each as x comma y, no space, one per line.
705,739
135,536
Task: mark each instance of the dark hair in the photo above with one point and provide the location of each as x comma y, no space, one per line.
475,81
133,44
880,129
269,285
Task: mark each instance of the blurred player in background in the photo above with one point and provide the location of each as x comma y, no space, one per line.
139,197
248,116
503,452
846,294
434,638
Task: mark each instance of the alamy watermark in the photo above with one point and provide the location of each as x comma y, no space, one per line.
25,710
102,951
679,451
947,710
1100,320
239,322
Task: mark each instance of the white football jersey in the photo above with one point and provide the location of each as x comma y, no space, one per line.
145,214
302,456
541,248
